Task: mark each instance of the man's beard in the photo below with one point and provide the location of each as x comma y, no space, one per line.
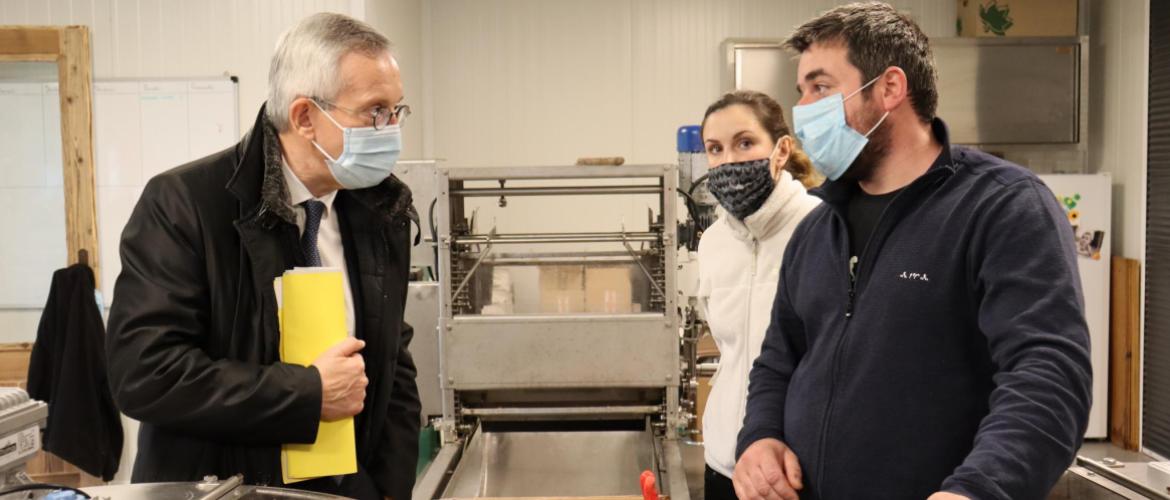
875,150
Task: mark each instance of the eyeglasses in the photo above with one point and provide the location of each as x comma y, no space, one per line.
380,116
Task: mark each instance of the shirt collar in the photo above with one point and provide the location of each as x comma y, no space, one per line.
298,193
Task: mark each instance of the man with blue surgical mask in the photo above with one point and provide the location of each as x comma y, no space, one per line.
194,338
928,336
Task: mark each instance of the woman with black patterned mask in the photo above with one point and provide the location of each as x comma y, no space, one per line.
759,178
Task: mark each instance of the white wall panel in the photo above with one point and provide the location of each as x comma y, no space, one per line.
1117,139
530,82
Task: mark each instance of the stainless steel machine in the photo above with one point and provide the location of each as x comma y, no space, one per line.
559,352
21,421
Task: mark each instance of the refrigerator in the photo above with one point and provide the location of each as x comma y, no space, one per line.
1087,204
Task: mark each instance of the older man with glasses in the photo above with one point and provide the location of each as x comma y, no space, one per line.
193,338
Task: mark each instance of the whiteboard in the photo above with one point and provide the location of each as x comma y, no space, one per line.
141,128
32,199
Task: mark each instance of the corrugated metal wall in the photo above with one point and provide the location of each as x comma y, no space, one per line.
1156,376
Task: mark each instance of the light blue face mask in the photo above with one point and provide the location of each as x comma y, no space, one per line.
367,156
829,141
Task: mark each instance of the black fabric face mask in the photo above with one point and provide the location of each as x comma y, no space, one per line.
742,187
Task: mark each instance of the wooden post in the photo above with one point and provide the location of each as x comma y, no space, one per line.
1125,354
73,68
69,47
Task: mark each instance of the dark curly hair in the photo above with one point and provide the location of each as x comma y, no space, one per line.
877,37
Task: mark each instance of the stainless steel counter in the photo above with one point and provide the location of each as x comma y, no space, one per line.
526,464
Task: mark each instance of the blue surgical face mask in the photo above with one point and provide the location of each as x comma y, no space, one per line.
367,156
825,136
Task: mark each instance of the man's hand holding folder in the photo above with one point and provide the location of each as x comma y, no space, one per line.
343,380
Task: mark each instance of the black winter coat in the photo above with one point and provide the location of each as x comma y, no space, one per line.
193,334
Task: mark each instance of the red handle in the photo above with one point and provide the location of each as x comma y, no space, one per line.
649,486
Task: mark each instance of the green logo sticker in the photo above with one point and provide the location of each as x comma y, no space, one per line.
996,19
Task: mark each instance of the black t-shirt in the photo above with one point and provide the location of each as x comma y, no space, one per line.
863,212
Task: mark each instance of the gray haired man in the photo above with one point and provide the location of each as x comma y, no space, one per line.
194,337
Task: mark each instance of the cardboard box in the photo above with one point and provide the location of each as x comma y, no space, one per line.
707,347
1017,18
14,359
562,289
608,290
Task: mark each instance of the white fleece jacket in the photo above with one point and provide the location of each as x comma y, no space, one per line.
739,266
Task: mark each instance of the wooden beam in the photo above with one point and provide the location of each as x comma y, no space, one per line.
16,40
1125,354
75,76
28,57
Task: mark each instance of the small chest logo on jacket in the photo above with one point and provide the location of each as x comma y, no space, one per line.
907,275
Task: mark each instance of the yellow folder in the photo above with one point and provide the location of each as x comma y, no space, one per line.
311,306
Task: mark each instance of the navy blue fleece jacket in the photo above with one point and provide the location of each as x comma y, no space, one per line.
955,358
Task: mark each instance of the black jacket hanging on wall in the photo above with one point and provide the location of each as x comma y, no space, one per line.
68,371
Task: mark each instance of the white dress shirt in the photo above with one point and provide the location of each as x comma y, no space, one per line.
328,234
